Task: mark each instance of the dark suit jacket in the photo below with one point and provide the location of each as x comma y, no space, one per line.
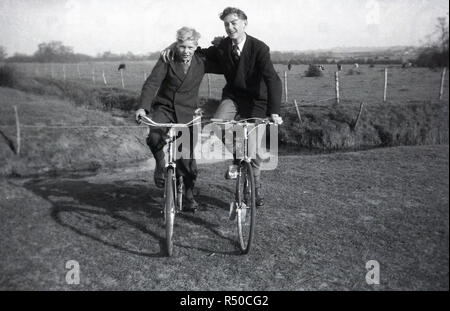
169,89
253,83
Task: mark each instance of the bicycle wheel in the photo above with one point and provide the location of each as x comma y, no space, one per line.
169,209
246,206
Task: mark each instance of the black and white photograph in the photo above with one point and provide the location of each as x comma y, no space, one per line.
242,147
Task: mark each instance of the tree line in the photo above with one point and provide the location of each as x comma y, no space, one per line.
435,53
57,52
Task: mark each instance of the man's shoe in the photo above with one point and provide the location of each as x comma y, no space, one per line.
190,205
259,199
158,176
232,172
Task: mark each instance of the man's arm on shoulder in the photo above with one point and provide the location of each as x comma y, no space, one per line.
152,84
272,80
211,66
211,53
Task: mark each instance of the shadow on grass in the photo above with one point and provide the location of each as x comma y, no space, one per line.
107,212
98,211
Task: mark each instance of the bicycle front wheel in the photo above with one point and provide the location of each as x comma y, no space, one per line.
169,209
246,206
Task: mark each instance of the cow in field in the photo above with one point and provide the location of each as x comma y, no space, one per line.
407,65
339,67
289,66
121,66
356,65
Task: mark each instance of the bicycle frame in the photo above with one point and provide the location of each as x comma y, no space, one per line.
245,124
171,162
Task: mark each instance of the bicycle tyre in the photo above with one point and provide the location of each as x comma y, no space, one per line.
245,214
169,209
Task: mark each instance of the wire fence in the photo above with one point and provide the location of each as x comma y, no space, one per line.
363,86
369,84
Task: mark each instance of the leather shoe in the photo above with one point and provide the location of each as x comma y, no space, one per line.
189,204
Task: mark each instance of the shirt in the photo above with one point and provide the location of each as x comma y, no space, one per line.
240,46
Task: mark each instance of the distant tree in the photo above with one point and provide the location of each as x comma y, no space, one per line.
19,57
109,56
442,29
53,51
3,53
436,52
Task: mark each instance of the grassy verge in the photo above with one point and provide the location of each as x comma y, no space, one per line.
43,101
58,136
379,125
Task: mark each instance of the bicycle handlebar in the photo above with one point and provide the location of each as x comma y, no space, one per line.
148,121
243,121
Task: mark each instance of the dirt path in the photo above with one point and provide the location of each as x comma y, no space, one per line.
326,216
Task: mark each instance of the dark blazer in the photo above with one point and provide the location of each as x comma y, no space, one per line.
168,88
253,82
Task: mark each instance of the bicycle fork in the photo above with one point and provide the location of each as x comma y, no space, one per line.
177,181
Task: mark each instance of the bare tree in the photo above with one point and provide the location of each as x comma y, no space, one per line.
442,29
436,53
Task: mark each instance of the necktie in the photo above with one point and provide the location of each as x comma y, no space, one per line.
235,54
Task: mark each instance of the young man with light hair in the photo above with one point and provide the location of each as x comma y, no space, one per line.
170,95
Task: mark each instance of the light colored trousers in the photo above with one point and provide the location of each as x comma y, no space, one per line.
227,110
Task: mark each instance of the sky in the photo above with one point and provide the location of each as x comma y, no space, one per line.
143,26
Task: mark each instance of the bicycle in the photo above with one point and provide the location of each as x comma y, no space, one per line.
173,186
244,204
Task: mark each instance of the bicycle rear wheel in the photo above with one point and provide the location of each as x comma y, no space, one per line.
246,206
169,209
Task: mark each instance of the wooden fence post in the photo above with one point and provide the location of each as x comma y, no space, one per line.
385,84
285,88
121,77
17,130
359,115
298,111
104,78
209,86
441,89
337,87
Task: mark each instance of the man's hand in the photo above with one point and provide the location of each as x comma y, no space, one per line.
139,114
276,119
168,53
217,41
199,112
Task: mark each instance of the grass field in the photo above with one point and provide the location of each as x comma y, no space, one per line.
325,217
356,85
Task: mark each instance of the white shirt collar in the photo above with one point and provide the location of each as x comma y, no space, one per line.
241,45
